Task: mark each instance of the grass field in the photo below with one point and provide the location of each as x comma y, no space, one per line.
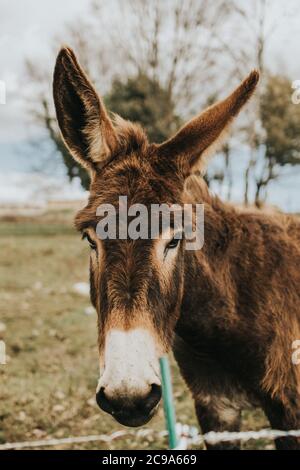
47,387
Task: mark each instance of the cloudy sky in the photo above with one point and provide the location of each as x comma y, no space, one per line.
28,28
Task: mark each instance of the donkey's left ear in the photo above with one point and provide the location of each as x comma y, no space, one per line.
193,142
82,118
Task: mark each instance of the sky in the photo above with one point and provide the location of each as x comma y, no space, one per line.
28,29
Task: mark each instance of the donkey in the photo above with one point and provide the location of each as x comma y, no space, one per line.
229,311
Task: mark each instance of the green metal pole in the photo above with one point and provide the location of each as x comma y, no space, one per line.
168,401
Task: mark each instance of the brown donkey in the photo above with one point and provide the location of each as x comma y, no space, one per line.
230,311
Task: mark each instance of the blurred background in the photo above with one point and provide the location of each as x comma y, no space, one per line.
158,63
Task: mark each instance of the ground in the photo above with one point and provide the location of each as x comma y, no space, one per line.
47,387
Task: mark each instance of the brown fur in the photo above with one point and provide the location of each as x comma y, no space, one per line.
235,304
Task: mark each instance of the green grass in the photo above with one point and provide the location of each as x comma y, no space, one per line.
47,388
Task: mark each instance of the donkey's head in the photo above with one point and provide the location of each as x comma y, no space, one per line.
136,284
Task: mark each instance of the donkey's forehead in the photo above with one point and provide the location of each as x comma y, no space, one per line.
132,176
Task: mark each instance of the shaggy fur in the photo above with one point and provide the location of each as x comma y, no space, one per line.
235,304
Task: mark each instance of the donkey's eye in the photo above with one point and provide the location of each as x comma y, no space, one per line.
92,244
172,244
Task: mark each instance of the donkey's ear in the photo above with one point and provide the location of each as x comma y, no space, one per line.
82,118
199,137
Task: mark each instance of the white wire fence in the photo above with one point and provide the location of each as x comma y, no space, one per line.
187,436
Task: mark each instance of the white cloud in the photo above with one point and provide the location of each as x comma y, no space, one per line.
27,29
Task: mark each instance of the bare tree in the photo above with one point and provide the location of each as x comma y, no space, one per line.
257,27
173,42
281,122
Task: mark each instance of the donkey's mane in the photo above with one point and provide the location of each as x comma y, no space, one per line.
131,136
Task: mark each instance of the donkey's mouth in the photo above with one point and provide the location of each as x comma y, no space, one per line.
134,419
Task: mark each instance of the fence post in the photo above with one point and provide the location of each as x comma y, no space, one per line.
168,401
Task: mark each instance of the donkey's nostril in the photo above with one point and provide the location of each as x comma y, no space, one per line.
153,397
103,402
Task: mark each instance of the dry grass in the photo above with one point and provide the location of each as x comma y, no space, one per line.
48,385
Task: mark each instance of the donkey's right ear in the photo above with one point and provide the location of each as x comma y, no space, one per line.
82,118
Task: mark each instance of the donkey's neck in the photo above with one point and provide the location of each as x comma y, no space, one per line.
235,278
220,220
213,288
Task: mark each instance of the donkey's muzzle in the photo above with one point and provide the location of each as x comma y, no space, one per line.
130,411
